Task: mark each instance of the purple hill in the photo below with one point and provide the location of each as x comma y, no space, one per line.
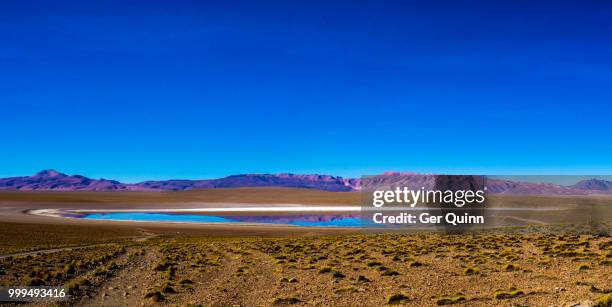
51,180
54,180
594,185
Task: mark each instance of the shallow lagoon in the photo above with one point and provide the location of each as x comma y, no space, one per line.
309,220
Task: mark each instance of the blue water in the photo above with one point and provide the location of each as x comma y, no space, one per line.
297,220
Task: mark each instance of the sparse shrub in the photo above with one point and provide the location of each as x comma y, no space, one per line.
100,272
511,267
167,288
382,268
337,274
592,288
362,278
449,300
584,267
346,289
85,282
156,296
470,271
36,282
72,287
170,272
544,263
416,264
324,270
502,295
162,266
389,272
604,301
70,269
397,299
286,300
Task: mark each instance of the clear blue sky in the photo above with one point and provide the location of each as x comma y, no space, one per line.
177,89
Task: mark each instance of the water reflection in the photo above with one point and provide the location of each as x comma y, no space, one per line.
311,220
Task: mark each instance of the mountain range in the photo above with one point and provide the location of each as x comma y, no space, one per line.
51,180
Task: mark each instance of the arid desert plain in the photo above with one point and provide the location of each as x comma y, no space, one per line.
556,257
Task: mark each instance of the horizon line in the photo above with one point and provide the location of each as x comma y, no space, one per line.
582,176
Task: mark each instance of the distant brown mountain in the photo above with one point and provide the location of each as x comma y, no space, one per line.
594,185
319,182
56,181
496,186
